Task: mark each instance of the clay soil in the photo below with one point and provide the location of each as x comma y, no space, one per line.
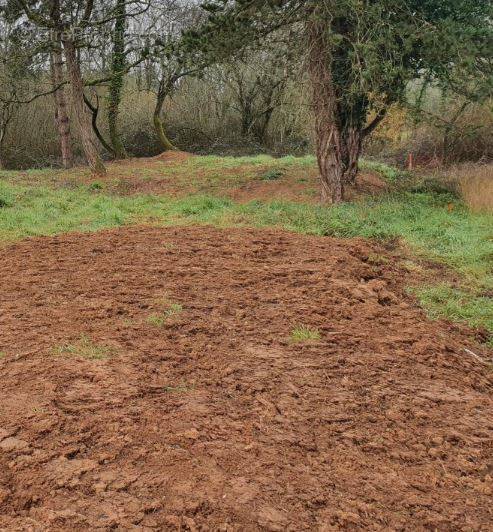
148,381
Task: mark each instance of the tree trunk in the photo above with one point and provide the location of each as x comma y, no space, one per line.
247,118
94,109
117,80
62,120
2,164
82,118
166,144
263,125
329,141
5,118
353,142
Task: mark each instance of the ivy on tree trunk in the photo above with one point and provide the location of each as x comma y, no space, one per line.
117,80
165,87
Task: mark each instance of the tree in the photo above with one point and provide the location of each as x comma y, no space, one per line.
74,24
258,81
118,64
16,76
360,56
174,58
62,120
63,21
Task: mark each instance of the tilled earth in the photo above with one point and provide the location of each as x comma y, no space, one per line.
149,381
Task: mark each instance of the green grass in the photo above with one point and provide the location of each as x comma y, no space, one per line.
205,173
85,348
272,175
177,389
390,173
420,217
160,319
304,334
220,163
444,301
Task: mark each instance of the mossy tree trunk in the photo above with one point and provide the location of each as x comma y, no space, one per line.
117,80
340,109
2,163
6,114
328,139
165,88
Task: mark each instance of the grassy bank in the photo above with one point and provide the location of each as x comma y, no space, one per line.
431,223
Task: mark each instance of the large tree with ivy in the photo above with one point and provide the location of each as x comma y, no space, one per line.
360,56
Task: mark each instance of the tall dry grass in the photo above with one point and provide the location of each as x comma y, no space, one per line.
475,184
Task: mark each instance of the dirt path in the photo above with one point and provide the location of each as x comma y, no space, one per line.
199,413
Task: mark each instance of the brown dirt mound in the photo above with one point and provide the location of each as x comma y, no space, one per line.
175,156
207,417
307,190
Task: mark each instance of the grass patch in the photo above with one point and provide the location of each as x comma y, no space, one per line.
85,348
444,301
156,320
272,175
177,389
304,334
390,173
161,318
96,186
221,163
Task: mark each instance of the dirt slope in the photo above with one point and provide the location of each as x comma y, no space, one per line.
207,417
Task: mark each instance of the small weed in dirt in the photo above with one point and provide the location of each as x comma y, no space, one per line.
165,300
2,354
377,260
177,389
126,322
85,348
272,175
96,186
304,334
159,320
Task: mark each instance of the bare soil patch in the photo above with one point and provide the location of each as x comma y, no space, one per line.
211,417
302,185
173,156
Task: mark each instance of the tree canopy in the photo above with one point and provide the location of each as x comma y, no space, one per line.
361,56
